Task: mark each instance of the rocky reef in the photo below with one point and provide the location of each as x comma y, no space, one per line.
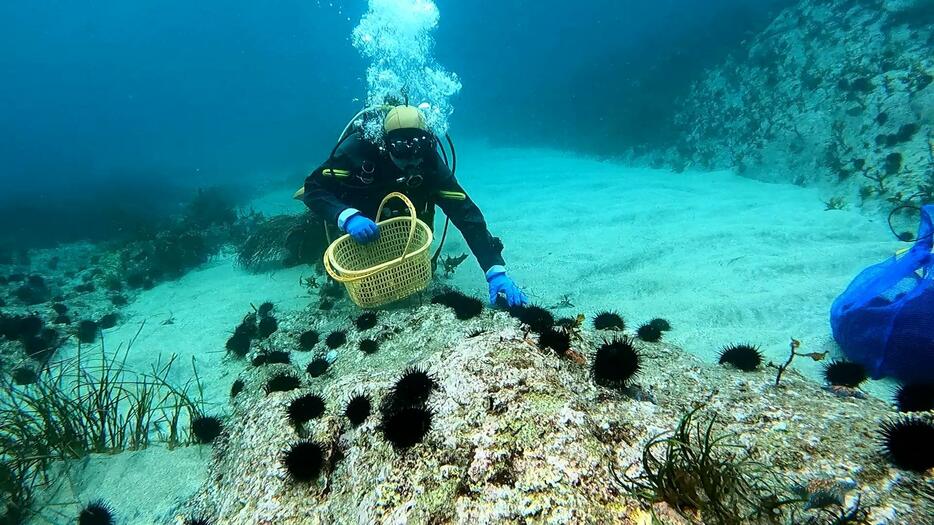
521,434
834,92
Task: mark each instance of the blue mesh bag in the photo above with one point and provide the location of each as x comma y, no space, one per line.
885,318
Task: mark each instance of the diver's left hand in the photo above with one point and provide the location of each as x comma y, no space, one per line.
501,283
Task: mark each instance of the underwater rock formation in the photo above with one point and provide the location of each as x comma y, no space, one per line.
835,92
522,434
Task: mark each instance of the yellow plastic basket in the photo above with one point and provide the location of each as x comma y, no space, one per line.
391,268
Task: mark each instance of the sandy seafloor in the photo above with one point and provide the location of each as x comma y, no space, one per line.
726,259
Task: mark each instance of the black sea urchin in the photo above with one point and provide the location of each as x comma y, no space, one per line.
308,339
267,326
318,367
609,321
205,429
444,298
236,387
464,306
32,325
265,309
42,346
407,426
200,520
744,357
238,345
907,443
108,321
649,333
358,409
468,308
247,328
369,346
616,363
272,357
536,318
305,408
661,324
119,300
87,331
845,373
557,340
96,513
335,339
412,389
24,375
282,382
304,461
366,320
915,397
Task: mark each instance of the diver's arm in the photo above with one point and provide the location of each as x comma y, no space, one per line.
468,218
320,198
322,186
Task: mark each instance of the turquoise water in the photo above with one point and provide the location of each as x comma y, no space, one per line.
712,165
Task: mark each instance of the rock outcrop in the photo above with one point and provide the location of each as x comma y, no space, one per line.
834,92
522,435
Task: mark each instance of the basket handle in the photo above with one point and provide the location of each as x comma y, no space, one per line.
408,203
329,252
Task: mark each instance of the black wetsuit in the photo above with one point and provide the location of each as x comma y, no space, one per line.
360,174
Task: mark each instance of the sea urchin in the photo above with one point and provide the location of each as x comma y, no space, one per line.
845,373
649,333
317,367
236,387
744,357
87,331
557,340
907,443
96,513
366,320
358,409
369,346
304,461
536,318
239,345
407,426
336,339
616,363
265,309
267,326
308,339
915,397
205,429
282,382
412,389
464,306
271,357
609,321
305,408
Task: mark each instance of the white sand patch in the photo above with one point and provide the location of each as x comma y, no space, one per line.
141,486
726,259
194,316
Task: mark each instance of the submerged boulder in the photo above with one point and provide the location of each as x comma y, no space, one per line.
519,434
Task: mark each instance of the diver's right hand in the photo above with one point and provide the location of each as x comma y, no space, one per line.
362,229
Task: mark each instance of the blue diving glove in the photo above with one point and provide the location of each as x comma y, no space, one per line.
502,283
362,229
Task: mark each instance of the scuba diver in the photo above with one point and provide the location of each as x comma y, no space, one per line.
347,189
